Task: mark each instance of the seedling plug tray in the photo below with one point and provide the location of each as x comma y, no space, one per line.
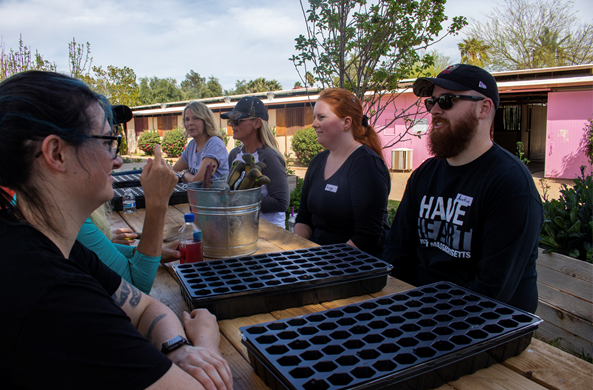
179,195
418,339
249,285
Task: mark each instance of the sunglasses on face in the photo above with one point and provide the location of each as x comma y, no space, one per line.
236,122
446,101
112,144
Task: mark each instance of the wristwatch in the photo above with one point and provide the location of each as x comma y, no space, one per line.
174,343
180,174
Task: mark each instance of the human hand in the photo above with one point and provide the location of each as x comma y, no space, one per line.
123,236
202,329
170,252
158,180
206,366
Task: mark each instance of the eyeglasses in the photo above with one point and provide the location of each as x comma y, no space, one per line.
112,147
112,144
236,122
446,101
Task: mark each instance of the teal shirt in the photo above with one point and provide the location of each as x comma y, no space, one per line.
139,269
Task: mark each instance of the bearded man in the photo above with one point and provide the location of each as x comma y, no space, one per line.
470,215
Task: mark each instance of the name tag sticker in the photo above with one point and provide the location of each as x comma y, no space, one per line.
331,188
464,200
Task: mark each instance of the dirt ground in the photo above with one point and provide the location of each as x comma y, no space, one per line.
399,180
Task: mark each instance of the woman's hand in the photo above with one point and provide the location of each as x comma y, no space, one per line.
203,361
170,252
158,180
123,236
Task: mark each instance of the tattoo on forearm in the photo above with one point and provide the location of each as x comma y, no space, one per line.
148,334
124,292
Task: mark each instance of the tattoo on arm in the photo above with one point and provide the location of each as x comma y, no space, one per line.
148,334
124,292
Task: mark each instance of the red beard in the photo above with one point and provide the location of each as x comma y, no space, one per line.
447,142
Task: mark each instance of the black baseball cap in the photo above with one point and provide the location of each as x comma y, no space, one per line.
459,77
247,107
121,113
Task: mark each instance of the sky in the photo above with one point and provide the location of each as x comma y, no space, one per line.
229,39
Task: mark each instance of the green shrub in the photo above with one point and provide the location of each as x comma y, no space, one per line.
295,199
147,140
568,221
174,142
225,136
305,145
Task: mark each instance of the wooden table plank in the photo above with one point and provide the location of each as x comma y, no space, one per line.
230,328
552,368
496,377
244,378
281,237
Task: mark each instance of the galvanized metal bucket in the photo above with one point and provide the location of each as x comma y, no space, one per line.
229,219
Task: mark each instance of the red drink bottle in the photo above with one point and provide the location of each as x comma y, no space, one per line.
190,241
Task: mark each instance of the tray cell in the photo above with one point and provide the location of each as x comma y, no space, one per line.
325,366
311,355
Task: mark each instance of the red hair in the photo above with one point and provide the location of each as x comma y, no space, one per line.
344,103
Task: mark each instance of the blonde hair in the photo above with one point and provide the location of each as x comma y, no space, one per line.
99,218
267,138
204,113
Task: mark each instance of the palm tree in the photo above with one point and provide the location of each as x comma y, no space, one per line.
474,52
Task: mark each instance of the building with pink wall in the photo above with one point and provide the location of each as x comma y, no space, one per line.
545,109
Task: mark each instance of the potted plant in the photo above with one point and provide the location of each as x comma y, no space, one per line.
565,267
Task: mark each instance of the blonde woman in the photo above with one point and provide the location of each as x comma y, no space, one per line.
249,120
206,146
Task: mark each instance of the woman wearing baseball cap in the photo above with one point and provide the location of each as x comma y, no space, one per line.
249,120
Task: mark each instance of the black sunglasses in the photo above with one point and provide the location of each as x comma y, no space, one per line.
113,146
235,122
446,101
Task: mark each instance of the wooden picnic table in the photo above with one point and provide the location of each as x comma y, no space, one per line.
540,366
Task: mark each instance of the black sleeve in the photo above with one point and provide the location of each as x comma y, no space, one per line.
278,196
402,240
92,347
369,184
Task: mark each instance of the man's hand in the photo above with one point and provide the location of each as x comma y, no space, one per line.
123,236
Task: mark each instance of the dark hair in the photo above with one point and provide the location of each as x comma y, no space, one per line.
34,105
344,103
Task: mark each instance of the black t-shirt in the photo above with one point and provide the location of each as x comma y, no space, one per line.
351,204
60,327
476,225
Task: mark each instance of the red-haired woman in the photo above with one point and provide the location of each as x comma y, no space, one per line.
344,196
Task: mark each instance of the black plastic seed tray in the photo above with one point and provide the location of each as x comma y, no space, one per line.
419,339
249,285
179,195
126,180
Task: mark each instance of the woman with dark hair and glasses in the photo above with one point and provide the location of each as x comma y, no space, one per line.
89,328
133,264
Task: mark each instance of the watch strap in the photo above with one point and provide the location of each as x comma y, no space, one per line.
174,343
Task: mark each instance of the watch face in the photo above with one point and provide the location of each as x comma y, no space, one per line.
174,343
175,340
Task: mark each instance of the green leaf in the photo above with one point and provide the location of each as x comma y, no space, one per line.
559,221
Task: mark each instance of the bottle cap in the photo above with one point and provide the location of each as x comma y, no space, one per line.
189,217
